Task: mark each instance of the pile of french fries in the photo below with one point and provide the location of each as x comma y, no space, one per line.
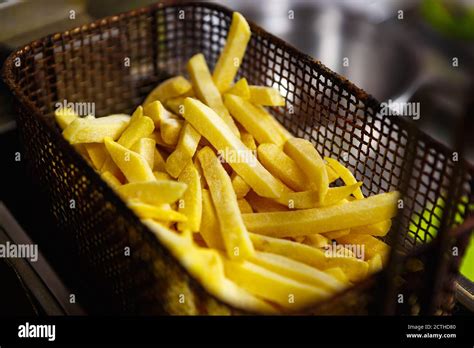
251,212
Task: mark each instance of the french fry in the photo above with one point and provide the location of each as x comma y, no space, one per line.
170,129
282,166
263,204
316,240
345,174
332,175
156,136
372,245
261,95
248,140
207,91
213,128
140,126
157,112
94,130
319,220
111,180
231,56
307,199
244,206
210,230
234,233
339,274
296,270
184,151
162,176
375,264
379,229
97,153
158,161
337,234
207,267
153,192
162,213
134,167
64,117
355,269
247,115
146,148
240,88
176,105
191,202
168,89
309,160
241,188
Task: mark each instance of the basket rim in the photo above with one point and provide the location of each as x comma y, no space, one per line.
368,99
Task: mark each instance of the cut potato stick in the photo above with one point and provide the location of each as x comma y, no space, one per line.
97,153
248,140
263,204
337,234
274,123
140,126
296,270
207,267
162,176
316,240
234,233
379,229
307,199
332,175
240,88
133,166
339,274
244,206
372,245
210,230
247,115
345,174
355,269
190,204
213,128
269,96
319,220
170,129
111,180
157,112
158,160
375,264
231,56
186,147
94,130
241,188
206,91
65,116
146,148
282,166
153,192
286,292
162,213
176,105
309,160
168,89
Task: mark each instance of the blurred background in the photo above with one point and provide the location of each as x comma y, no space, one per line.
397,50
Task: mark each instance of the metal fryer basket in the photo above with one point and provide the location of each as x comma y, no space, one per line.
86,64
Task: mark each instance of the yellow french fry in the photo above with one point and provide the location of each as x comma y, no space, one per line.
244,206
94,130
274,123
207,91
307,199
185,149
234,233
339,274
162,213
210,230
332,175
140,126
170,129
158,161
248,140
247,115
345,174
206,266
379,229
355,269
316,240
134,167
156,136
282,166
64,117
241,188
97,153
240,88
372,245
296,270
231,56
190,204
261,282
111,180
146,148
269,96
153,192
170,88
325,219
176,105
263,204
213,128
157,112
337,234
311,163
375,264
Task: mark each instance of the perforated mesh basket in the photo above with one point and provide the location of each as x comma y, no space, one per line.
87,64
